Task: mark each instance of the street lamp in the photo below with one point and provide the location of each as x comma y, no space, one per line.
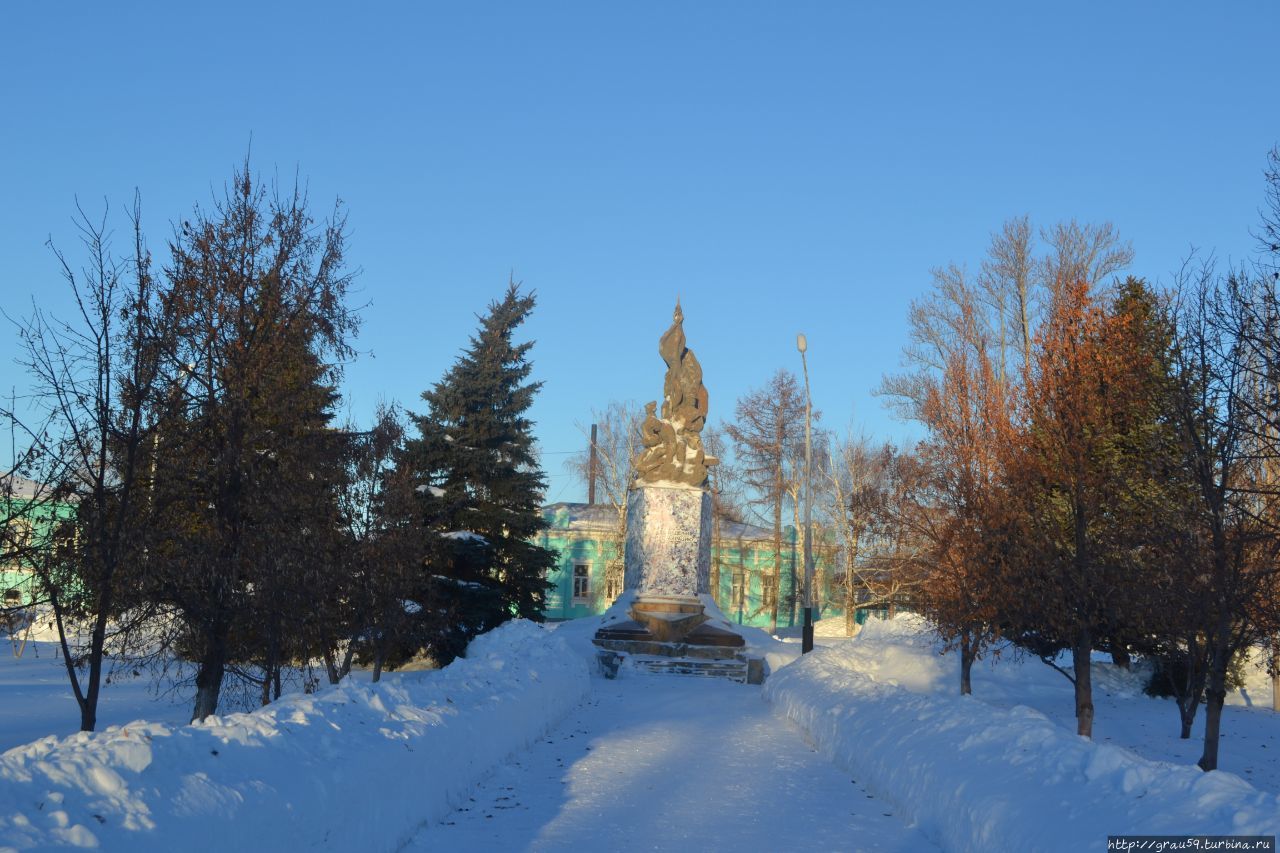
806,637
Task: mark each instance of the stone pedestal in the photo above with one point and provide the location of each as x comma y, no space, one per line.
668,551
669,622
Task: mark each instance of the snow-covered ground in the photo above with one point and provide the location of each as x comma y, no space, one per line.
353,767
1003,769
36,700
863,745
655,762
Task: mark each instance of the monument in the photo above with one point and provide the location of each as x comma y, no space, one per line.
666,619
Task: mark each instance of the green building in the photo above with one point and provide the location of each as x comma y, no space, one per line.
588,576
29,523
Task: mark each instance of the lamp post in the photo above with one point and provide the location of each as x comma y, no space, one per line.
806,637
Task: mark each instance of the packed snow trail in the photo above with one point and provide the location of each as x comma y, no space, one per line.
670,763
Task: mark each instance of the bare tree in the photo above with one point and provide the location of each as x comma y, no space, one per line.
1229,331
617,444
769,425
1083,253
99,393
1268,270
726,501
1009,289
856,492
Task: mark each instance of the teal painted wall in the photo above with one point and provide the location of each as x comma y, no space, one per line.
35,525
750,557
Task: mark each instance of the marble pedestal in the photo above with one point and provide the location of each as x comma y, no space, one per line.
668,549
671,623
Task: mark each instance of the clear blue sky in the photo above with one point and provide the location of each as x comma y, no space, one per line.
781,167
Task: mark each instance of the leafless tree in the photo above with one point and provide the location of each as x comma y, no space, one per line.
99,391
1009,288
768,426
616,446
1228,334
855,475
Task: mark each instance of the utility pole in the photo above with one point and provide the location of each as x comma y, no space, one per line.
591,469
806,637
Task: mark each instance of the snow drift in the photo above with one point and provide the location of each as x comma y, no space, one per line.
356,766
977,777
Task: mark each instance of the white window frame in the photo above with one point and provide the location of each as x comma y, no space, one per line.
585,578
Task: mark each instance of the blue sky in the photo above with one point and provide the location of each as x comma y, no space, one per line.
780,167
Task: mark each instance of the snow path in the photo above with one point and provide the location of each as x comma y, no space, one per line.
669,763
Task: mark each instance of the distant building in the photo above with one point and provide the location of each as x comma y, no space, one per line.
588,576
29,525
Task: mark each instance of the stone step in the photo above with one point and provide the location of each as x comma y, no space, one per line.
734,670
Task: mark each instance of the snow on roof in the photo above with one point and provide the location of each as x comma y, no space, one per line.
579,516
22,487
465,534
461,583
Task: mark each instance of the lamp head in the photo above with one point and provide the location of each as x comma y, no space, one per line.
801,343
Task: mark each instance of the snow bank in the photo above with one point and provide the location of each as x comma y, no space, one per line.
353,767
977,777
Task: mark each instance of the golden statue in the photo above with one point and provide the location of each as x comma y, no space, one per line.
673,448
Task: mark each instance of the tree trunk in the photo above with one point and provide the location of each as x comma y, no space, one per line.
718,550
377,665
1083,649
776,580
208,686
67,659
1120,657
345,669
850,593
209,677
1190,692
1275,673
97,645
1215,695
330,666
966,664
1080,655
271,670
797,563
1187,713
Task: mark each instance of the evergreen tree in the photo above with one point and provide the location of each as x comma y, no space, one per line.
246,466
481,487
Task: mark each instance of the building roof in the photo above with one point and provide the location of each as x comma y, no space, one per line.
566,515
22,487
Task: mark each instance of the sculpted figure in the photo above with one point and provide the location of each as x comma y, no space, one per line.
673,447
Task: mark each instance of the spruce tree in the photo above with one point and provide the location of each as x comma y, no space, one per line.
480,485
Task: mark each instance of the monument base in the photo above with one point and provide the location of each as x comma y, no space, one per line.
668,547
674,634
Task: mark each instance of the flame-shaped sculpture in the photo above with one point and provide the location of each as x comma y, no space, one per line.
673,447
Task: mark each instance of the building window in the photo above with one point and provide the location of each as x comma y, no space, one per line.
581,581
613,584
12,598
737,594
17,536
768,591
